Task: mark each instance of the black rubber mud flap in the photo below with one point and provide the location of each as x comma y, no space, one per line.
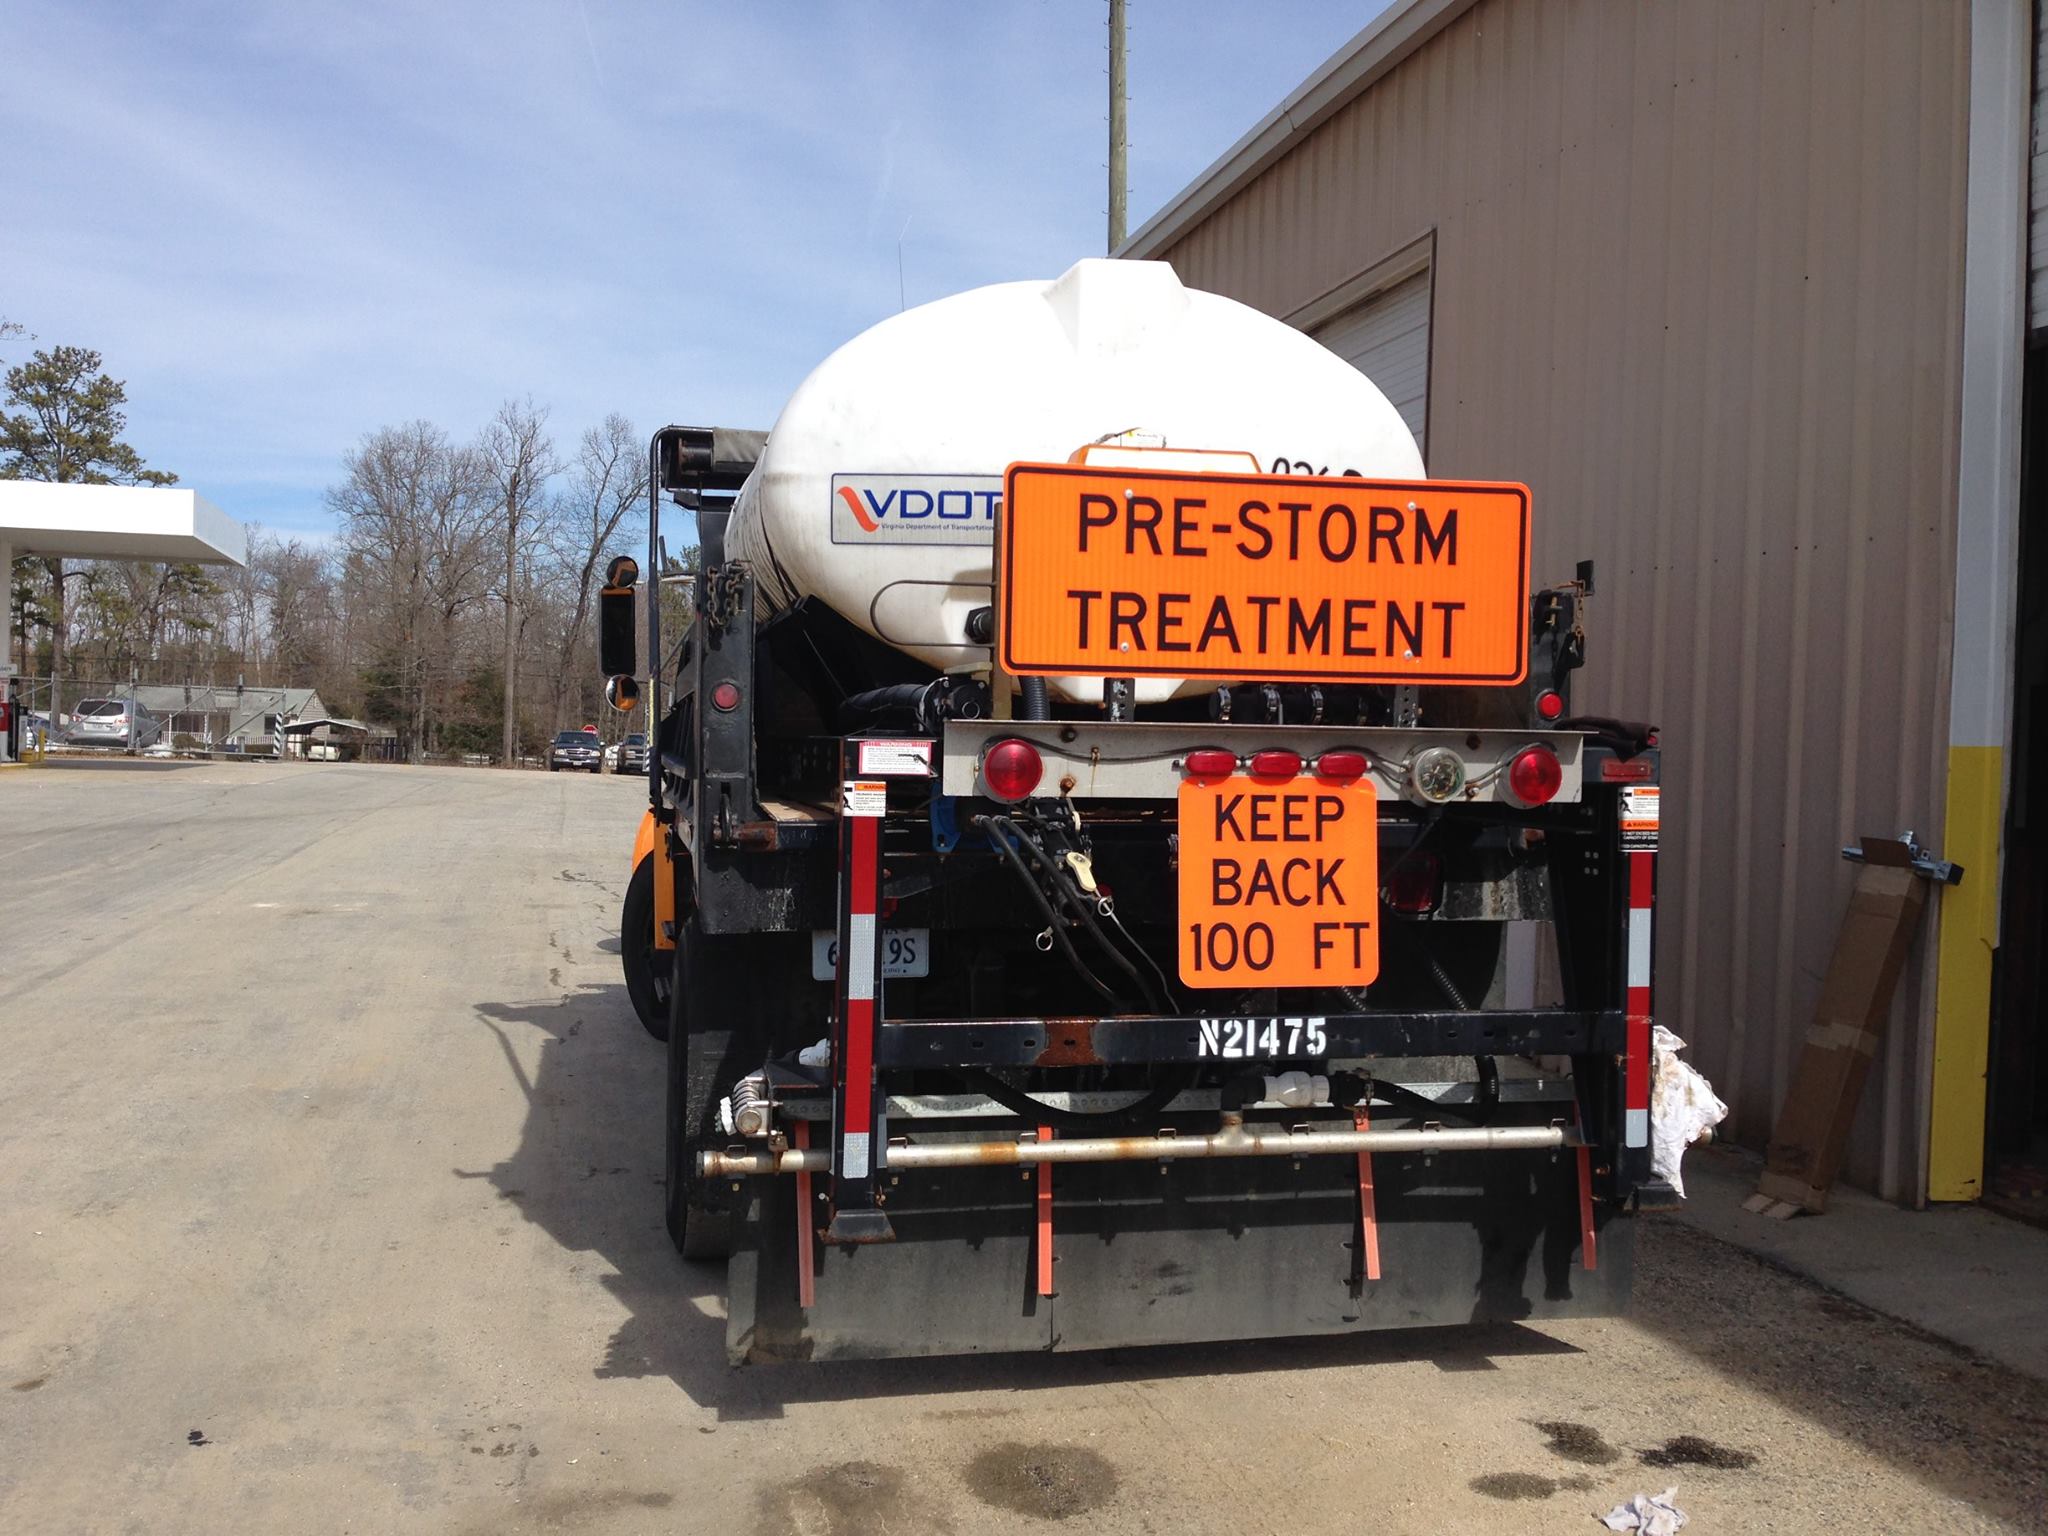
737,1000
1214,1250
705,1000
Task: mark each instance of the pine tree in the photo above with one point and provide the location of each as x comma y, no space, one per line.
64,425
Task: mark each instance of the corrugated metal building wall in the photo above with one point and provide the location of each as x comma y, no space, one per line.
1698,282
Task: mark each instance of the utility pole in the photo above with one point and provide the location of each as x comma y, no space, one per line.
1116,124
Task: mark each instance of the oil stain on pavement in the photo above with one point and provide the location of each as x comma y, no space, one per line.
1577,1442
1528,1485
1692,1451
844,1498
1052,1482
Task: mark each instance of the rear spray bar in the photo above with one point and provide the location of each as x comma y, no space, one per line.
1231,1141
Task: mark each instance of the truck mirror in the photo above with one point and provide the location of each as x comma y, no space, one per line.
617,655
622,693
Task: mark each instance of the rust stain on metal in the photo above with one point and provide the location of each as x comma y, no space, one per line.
758,836
1069,1043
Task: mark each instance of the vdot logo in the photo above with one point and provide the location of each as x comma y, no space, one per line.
915,509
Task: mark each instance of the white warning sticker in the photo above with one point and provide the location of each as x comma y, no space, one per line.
1640,805
896,759
864,797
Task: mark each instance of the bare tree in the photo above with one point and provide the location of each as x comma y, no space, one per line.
519,457
416,519
607,488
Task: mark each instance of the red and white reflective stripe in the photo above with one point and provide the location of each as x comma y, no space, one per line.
1642,880
858,959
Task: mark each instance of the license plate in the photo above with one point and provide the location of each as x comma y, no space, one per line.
1279,883
906,952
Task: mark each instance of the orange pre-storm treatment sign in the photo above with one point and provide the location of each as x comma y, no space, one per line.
1279,883
1123,573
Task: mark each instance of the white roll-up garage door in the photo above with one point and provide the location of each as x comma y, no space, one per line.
1386,338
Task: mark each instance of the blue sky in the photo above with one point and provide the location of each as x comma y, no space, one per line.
285,225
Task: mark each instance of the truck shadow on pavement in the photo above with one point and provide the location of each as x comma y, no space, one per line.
588,1172
1971,1427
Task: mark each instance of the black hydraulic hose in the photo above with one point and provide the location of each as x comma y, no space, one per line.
1348,1089
1037,699
1165,987
1052,921
1079,906
1489,1089
1018,1102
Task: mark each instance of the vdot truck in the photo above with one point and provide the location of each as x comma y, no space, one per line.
1122,865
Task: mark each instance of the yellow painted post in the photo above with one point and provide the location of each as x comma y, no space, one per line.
1962,999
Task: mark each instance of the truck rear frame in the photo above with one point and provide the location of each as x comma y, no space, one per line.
949,1175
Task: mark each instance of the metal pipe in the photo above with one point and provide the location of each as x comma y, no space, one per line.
1245,1141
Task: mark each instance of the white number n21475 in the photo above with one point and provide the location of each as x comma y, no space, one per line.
1262,1039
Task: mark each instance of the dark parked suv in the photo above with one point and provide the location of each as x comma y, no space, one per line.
575,749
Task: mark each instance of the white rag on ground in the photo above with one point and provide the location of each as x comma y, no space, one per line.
1652,1517
1683,1109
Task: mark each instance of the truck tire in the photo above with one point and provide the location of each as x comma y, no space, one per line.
648,968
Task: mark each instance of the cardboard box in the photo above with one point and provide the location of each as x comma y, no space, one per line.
1805,1152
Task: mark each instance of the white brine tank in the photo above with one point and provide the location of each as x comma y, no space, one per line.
878,488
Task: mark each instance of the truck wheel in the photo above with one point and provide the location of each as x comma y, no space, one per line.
648,968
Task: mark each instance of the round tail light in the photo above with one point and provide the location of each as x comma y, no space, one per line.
1011,769
1211,763
1550,704
1275,764
1534,776
1341,767
726,696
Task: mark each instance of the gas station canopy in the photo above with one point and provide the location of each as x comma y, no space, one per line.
117,522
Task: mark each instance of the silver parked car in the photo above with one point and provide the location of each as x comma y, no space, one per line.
112,723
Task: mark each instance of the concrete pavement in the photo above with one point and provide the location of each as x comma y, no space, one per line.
329,1201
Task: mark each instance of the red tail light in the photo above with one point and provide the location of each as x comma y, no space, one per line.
1211,763
1275,764
1011,769
1416,884
1341,767
1534,776
726,696
1550,704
